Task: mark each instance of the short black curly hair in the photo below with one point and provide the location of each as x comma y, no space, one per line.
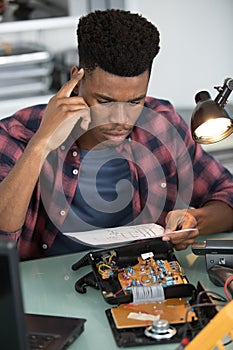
119,42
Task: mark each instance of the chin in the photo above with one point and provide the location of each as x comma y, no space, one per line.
110,144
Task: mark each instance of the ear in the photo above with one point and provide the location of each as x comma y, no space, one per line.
74,70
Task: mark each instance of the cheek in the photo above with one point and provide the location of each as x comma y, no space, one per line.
136,111
133,112
99,116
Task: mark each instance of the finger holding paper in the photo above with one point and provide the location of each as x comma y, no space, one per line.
181,228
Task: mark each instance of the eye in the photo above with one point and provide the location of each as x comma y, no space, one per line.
135,102
103,101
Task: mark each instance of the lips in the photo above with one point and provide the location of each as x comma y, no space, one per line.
116,135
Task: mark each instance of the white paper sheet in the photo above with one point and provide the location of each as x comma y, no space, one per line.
109,236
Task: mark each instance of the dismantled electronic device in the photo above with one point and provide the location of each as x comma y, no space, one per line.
151,296
144,271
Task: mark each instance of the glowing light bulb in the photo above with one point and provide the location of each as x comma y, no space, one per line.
213,130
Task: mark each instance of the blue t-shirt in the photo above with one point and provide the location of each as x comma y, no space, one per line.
103,198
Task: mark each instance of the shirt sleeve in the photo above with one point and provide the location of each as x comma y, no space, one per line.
197,176
15,133
211,180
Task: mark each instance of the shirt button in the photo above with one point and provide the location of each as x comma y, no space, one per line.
75,171
163,185
44,246
62,212
63,147
75,153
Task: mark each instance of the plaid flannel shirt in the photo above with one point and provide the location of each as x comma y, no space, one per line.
168,171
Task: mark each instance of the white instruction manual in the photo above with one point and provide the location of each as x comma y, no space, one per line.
116,235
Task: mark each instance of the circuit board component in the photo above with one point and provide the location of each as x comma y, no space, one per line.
147,272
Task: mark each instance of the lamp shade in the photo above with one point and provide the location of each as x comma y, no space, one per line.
210,122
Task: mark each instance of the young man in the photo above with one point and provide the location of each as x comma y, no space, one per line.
102,154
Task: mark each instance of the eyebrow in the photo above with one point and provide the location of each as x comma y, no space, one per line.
110,99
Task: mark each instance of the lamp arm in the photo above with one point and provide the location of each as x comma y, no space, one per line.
224,92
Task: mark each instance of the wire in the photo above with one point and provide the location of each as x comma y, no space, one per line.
184,342
135,308
118,292
206,292
102,267
191,308
222,298
227,343
198,305
199,298
227,282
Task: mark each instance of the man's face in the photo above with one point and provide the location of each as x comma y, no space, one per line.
115,103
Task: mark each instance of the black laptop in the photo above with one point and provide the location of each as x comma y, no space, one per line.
21,331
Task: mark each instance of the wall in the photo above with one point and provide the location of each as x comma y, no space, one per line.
196,46
196,43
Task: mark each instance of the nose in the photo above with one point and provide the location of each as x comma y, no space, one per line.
118,113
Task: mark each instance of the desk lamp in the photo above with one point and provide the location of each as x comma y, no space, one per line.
210,121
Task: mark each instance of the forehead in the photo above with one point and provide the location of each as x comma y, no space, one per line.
116,87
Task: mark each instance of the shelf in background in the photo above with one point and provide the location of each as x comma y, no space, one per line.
37,24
